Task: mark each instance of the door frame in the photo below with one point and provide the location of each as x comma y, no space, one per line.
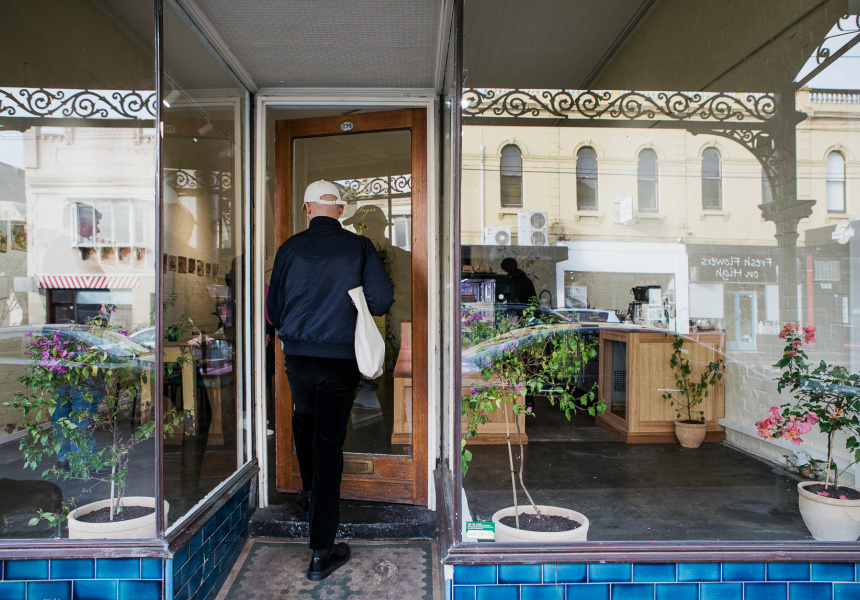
347,99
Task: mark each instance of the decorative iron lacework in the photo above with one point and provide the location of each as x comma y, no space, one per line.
81,104
610,105
847,25
191,179
375,187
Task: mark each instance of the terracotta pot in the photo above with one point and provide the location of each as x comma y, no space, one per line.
828,519
142,527
690,435
512,534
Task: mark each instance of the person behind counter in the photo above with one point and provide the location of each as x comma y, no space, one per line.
521,290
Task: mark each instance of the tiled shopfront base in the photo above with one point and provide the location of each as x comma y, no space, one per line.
671,581
78,579
202,565
197,570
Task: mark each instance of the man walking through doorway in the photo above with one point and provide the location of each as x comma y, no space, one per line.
315,317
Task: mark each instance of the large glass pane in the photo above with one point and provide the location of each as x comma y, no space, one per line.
77,155
753,231
204,267
374,172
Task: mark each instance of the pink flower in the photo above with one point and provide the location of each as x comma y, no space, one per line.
792,353
774,410
812,418
825,494
528,409
843,497
103,310
796,344
809,334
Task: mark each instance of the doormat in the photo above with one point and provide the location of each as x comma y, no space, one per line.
394,570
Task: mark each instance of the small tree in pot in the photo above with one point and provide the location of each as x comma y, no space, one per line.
825,396
519,355
691,392
100,371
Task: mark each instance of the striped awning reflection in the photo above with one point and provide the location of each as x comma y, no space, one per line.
87,282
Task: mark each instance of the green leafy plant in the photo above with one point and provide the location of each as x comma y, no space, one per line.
824,395
692,390
519,355
106,371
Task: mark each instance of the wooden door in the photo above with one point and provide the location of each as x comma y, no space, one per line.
385,457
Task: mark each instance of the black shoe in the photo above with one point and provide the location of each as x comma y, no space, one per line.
323,566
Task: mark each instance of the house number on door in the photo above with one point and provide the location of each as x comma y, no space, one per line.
346,126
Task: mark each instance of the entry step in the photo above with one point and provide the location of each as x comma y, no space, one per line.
359,520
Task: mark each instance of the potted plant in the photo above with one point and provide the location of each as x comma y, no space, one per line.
90,375
518,355
690,426
825,396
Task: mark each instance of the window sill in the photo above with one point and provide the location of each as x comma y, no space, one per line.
588,214
707,212
839,216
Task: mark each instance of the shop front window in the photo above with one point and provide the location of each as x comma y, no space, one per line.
580,348
77,266
204,268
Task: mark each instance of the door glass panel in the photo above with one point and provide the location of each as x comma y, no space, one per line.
373,171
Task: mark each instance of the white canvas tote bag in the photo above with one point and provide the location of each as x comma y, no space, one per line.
369,345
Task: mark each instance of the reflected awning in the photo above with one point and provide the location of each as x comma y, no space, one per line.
87,282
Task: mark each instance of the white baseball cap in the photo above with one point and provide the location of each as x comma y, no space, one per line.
320,188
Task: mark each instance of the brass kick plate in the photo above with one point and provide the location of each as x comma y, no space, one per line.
358,467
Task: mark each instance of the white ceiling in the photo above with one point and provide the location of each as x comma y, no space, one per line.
331,43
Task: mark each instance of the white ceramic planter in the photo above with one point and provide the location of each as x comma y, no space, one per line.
512,534
142,527
690,435
827,518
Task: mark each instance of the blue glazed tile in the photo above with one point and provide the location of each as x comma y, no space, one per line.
721,591
788,572
588,591
832,572
632,591
519,573
766,591
541,592
609,573
195,543
474,574
743,571
168,578
94,589
464,592
180,558
698,572
151,568
13,590
118,568
448,585
564,573
73,569
677,591
26,569
195,581
654,573
810,591
498,592
139,590
846,591
49,590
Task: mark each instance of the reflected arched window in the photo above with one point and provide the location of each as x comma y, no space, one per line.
766,190
712,186
835,182
586,179
646,175
511,176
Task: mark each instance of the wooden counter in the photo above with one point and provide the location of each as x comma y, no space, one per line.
634,368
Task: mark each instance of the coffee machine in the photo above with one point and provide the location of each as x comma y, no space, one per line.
647,304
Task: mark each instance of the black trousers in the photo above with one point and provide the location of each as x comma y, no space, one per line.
323,391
